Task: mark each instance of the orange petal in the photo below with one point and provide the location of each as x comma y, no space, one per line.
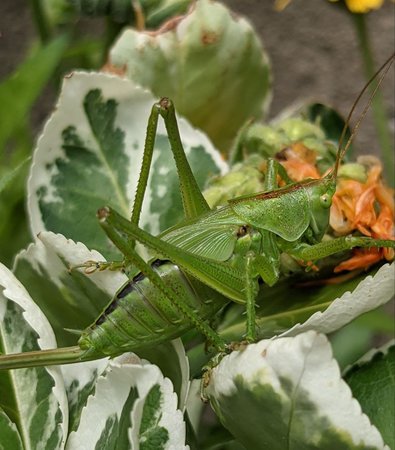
362,259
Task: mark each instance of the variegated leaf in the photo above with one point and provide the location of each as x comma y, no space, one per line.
33,399
210,62
69,299
288,393
288,309
133,406
89,156
80,379
371,292
171,359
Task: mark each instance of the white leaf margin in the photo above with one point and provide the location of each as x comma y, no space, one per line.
46,251
112,389
133,122
49,247
306,360
14,291
371,292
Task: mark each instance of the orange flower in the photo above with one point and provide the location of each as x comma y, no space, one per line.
299,162
368,208
363,207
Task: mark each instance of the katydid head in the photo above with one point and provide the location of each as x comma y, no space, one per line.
321,194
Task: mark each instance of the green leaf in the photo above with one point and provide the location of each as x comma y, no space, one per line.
372,381
288,393
90,155
10,437
142,412
20,90
69,299
164,10
353,340
10,175
210,63
33,399
328,119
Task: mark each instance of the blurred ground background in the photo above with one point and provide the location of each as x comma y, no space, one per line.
315,54
311,44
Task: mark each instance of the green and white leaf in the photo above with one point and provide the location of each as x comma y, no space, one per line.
372,381
133,406
210,62
370,293
289,309
69,299
89,156
80,381
171,359
32,399
288,393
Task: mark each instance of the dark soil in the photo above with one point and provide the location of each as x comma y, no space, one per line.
311,44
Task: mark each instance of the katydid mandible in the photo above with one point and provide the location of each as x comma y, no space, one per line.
209,259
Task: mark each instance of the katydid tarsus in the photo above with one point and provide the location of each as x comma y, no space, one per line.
210,258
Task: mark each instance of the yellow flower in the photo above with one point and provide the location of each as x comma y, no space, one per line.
355,6
279,5
363,6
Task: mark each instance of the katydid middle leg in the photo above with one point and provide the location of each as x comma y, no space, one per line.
265,265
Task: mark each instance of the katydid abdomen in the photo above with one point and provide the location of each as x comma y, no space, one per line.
138,316
141,316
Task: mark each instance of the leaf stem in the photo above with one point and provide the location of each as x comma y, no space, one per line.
378,107
40,20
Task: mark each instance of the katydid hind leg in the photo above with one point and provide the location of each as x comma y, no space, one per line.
193,201
222,277
123,244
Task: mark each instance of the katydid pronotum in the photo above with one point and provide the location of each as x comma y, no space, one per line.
210,258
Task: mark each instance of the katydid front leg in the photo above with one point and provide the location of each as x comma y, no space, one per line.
328,248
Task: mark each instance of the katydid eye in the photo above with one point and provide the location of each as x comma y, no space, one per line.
325,200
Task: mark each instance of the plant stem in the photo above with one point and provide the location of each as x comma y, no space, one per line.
378,107
40,20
